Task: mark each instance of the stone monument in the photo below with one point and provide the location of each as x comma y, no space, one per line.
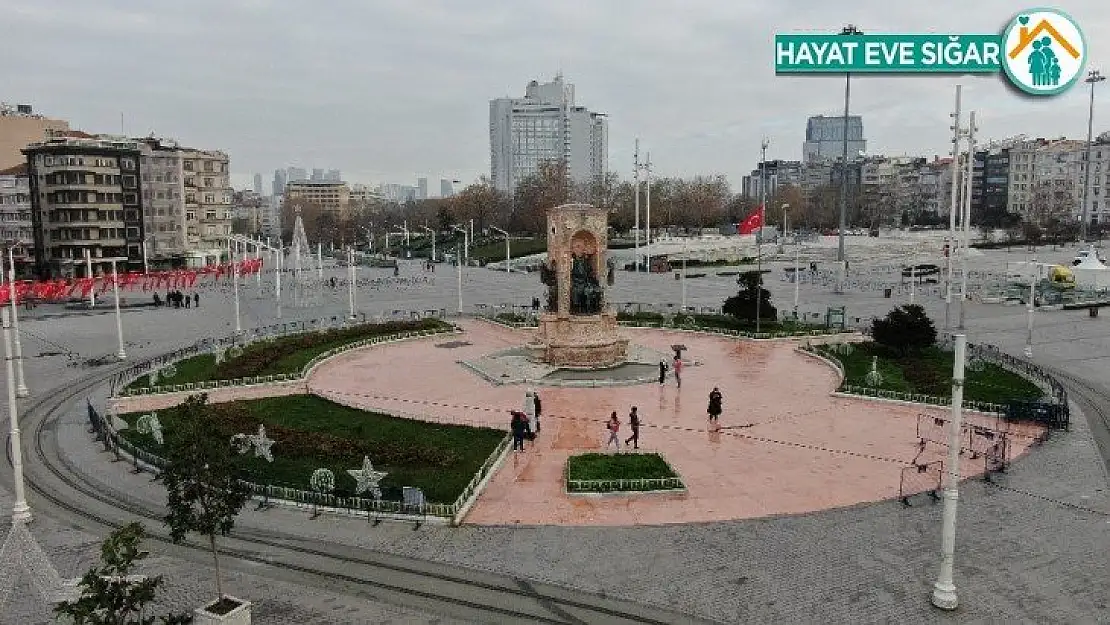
576,329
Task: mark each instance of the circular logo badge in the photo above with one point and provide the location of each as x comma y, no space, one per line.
1043,51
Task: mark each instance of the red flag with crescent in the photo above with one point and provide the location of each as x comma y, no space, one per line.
751,223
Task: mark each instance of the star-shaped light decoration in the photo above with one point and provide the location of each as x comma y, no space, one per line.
234,352
322,481
149,424
154,375
260,443
169,371
219,353
369,479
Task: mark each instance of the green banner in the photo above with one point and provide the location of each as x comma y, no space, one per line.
820,53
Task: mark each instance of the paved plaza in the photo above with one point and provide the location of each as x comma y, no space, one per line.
1030,547
785,445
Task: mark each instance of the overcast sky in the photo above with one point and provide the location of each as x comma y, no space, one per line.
387,90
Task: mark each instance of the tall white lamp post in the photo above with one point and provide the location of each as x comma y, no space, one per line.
279,266
433,233
508,252
944,591
351,282
684,275
20,511
1030,305
636,223
89,274
235,287
120,353
952,209
797,278
965,219
20,385
459,260
647,200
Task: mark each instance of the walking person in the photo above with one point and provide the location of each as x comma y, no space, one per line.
634,423
538,408
678,370
662,372
518,425
196,300
614,427
714,409
530,411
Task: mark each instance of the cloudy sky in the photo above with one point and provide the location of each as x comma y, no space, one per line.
387,90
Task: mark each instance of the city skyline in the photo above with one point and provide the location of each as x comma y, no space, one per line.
693,80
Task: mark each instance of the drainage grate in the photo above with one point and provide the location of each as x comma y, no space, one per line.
454,344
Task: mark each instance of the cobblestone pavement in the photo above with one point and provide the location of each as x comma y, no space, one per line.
1031,549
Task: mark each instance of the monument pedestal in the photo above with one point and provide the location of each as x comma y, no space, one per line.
579,341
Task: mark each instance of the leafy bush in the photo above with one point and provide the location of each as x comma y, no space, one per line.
641,317
752,295
510,317
905,329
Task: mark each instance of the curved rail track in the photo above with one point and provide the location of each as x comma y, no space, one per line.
426,586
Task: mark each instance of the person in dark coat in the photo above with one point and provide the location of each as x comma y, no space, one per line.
634,423
662,372
196,300
519,427
714,409
539,409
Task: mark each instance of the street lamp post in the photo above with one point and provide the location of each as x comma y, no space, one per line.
121,353
459,262
647,199
89,274
965,219
235,288
759,232
351,281
21,512
944,590
684,275
1093,77
21,385
636,226
280,265
841,258
952,208
1029,307
508,252
433,233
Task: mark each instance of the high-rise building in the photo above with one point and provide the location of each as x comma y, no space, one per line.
333,175
333,197
280,179
296,174
317,175
825,139
258,184
446,189
16,231
545,125
163,190
85,197
20,127
421,188
207,205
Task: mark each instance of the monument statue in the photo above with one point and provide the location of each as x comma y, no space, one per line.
585,292
549,276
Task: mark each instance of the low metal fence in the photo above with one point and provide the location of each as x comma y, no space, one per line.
636,485
920,479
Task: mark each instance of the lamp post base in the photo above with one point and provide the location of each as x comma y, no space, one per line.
1028,351
22,391
944,596
21,513
122,355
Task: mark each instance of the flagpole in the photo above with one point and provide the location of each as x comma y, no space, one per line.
759,232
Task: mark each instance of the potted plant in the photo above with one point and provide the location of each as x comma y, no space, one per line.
204,495
110,594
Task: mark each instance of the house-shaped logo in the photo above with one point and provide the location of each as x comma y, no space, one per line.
1045,51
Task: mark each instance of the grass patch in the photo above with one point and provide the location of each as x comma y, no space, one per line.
511,318
494,251
287,354
312,433
717,322
633,466
930,373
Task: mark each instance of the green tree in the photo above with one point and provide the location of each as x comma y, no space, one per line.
204,493
743,304
905,330
110,595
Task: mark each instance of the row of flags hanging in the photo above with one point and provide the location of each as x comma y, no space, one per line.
63,289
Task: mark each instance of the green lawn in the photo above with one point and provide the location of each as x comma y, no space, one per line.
288,354
631,466
930,373
494,251
722,322
313,433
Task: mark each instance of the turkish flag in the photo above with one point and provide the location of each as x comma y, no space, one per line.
752,222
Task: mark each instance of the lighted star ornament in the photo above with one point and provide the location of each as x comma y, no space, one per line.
260,443
368,478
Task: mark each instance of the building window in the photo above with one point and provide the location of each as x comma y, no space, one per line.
190,215
210,215
210,230
187,165
207,165
127,163
209,198
208,182
128,182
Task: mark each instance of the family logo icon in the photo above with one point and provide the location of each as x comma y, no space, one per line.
1045,51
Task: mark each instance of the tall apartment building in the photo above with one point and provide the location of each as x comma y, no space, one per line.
399,193
163,194
295,174
545,125
16,231
85,198
333,197
825,139
280,179
258,184
20,127
317,175
421,188
208,192
446,188
773,174
1046,168
990,185
364,196
333,175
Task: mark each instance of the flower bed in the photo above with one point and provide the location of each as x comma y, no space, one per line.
284,357
613,473
312,433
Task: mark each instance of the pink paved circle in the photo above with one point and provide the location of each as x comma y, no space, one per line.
786,445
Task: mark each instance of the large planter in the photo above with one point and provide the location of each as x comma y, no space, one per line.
240,615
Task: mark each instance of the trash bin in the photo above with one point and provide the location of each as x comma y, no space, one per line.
1092,311
886,293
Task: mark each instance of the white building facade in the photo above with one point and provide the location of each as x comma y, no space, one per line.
545,125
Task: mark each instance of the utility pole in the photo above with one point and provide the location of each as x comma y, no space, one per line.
944,590
966,218
1093,77
759,232
953,208
841,257
636,227
647,194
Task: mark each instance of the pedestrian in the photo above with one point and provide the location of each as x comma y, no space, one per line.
196,300
187,302
530,411
538,410
614,427
662,372
518,425
634,423
678,370
714,409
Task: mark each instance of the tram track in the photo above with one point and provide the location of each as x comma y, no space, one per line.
408,582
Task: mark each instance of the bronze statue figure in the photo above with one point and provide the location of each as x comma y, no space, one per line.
550,278
585,291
